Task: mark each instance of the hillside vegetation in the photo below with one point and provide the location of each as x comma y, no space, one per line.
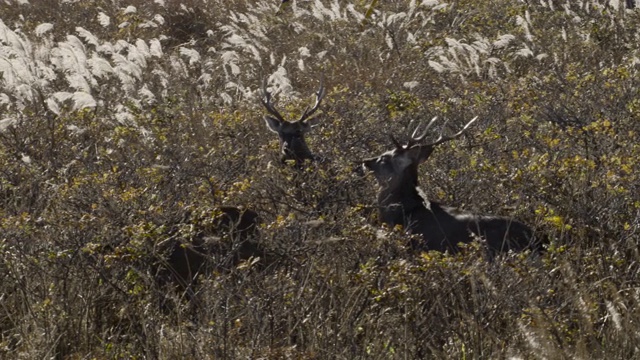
125,124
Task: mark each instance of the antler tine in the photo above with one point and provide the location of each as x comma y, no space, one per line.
266,101
395,142
415,138
319,96
444,127
442,139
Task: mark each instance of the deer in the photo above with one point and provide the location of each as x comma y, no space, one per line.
293,146
402,202
231,237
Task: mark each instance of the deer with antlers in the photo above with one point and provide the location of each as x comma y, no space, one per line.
402,202
293,145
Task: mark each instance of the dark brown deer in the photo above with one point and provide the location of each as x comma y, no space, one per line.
402,202
293,145
231,237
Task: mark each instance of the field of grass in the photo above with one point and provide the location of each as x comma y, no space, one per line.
125,124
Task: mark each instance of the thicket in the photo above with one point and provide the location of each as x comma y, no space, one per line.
126,123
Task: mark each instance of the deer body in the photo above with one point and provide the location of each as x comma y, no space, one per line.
402,202
443,227
232,238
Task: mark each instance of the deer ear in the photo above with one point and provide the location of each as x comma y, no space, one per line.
273,124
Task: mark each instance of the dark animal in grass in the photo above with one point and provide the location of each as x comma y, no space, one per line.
293,145
402,202
230,238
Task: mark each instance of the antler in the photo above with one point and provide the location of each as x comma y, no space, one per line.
319,95
266,101
442,139
414,138
417,138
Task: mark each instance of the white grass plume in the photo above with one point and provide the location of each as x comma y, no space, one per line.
43,29
103,19
191,54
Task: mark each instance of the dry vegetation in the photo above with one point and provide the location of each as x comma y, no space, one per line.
126,123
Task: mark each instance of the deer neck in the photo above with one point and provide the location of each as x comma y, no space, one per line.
397,203
298,151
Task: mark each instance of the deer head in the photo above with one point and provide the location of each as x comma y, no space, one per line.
293,145
398,168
